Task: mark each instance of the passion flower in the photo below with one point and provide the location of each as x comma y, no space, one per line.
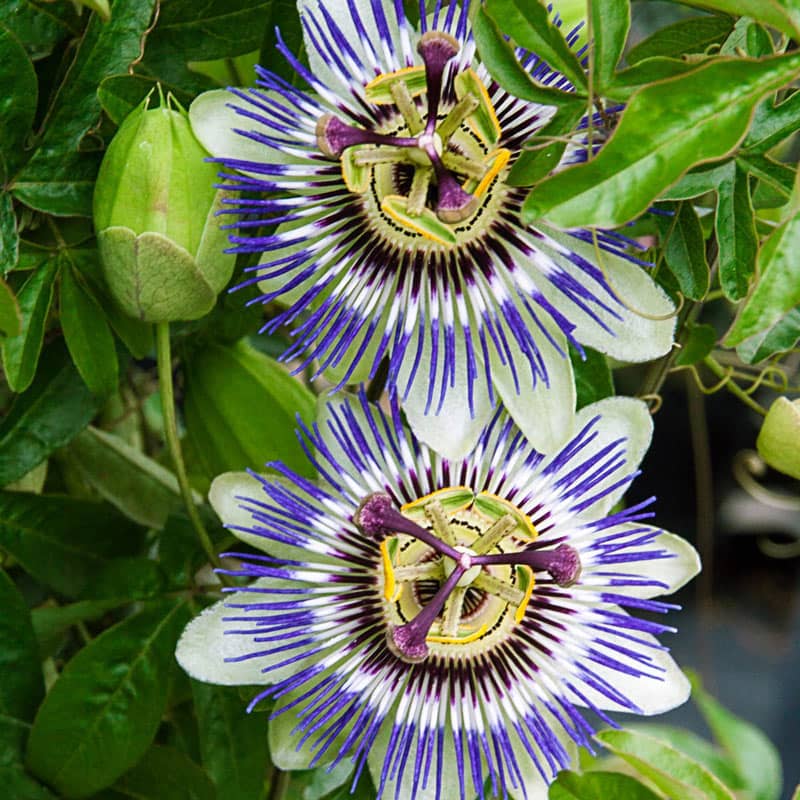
446,621
399,240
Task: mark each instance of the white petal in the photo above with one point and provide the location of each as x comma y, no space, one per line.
675,571
214,123
340,13
620,418
449,790
635,337
224,494
536,788
283,742
452,431
203,648
652,695
544,414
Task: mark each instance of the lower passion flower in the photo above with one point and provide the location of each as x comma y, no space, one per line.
446,623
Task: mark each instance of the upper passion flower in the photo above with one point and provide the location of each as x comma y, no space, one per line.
398,239
445,622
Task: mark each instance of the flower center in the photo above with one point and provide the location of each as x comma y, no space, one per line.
433,178
458,568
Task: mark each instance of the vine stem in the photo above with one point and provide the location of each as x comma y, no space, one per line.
279,784
733,387
166,388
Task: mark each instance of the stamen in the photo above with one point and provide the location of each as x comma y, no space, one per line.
488,539
377,517
563,564
334,136
458,113
454,204
407,108
436,49
418,194
408,641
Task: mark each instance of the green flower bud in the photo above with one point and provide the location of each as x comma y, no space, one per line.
779,440
154,206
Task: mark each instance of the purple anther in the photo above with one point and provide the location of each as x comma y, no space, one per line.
436,49
377,517
335,136
454,204
408,641
563,564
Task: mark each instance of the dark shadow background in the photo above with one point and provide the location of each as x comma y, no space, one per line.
740,623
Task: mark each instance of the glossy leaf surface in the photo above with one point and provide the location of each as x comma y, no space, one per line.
667,128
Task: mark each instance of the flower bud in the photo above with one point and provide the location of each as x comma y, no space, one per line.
779,440
154,212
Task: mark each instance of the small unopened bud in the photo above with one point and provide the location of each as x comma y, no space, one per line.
154,212
779,440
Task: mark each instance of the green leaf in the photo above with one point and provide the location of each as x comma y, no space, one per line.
796,795
779,338
598,786
611,20
711,757
685,250
535,163
135,334
59,183
40,27
499,58
13,735
61,541
179,553
666,128
530,26
224,385
9,237
697,182
135,578
167,774
22,687
778,288
18,784
106,48
781,14
283,14
224,725
593,378
772,124
754,756
86,332
671,771
211,30
736,234
21,352
626,82
51,623
19,90
120,94
694,35
139,487
104,710
10,314
47,416
699,342
763,167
